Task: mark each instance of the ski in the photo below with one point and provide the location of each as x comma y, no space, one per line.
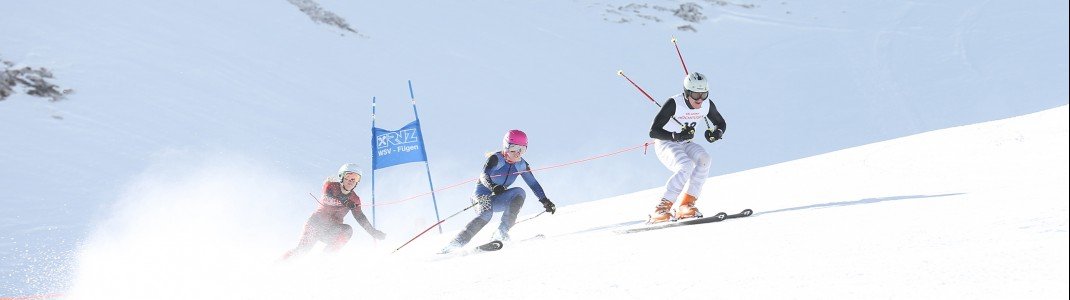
721,216
494,245
744,213
535,237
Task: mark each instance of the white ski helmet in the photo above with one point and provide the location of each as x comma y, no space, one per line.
696,82
349,168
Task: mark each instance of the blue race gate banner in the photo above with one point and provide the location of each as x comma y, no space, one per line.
391,148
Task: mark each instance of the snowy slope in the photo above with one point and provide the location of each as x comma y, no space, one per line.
195,117
976,211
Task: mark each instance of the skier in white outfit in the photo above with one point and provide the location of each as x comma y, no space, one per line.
673,129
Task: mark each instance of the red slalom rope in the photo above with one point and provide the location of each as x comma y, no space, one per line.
589,158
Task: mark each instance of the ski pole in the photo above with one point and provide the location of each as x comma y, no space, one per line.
621,73
317,199
433,226
536,216
681,56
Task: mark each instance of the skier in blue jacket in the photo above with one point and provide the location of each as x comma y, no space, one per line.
493,193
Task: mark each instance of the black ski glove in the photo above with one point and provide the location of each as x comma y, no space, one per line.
349,204
376,234
687,133
549,206
714,135
496,189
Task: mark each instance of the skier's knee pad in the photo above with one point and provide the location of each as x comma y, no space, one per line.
481,203
702,158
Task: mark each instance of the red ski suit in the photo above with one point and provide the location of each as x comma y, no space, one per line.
325,224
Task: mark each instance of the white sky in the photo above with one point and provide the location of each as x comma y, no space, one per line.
187,119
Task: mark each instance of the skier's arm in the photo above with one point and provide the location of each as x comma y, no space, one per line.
484,179
657,129
716,118
363,221
532,183
535,187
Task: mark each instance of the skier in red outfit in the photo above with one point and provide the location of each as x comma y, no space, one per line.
325,224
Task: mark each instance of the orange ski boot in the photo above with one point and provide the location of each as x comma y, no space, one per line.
662,213
687,208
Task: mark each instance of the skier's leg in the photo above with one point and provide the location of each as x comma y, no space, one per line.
510,202
337,237
672,155
701,160
305,243
466,235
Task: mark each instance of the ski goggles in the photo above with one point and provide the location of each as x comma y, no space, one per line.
516,149
352,179
698,96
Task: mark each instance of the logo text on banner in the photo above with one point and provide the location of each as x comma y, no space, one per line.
397,147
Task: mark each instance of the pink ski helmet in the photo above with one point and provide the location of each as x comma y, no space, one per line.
515,137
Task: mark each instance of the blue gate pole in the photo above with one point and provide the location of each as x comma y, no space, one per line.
373,161
427,164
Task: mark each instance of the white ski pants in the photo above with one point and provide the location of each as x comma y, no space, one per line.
689,163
